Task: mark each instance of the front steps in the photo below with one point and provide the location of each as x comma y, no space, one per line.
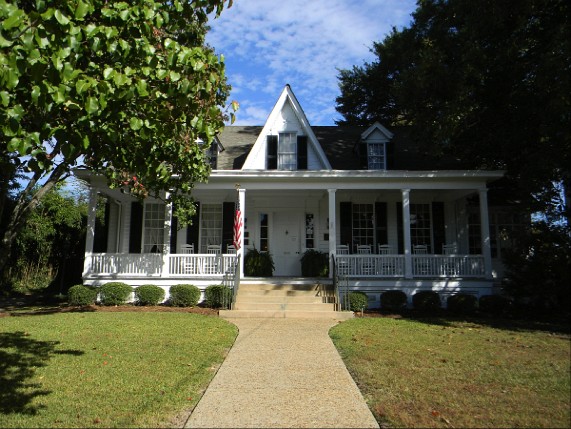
291,298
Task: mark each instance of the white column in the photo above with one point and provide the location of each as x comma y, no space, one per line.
485,231
90,233
332,228
242,202
406,231
166,239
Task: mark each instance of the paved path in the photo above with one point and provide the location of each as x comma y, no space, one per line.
282,373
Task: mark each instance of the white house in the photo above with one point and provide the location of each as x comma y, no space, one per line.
392,216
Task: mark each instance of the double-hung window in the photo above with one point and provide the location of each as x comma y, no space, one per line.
376,156
286,151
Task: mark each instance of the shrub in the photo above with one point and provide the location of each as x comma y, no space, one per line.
115,293
426,300
393,300
358,301
258,264
149,295
462,303
184,295
314,264
496,305
218,296
81,295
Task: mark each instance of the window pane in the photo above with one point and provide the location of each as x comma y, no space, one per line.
287,151
153,228
363,228
376,156
210,225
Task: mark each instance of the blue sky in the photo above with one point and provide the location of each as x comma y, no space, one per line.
268,43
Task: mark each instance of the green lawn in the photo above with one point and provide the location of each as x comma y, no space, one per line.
107,369
458,374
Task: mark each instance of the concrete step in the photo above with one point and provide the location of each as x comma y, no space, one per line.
279,286
276,292
300,299
253,314
286,306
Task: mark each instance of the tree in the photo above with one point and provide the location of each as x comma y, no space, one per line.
125,89
487,81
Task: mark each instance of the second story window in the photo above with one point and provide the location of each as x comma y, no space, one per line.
287,151
376,156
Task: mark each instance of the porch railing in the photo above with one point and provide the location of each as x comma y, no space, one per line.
200,264
340,287
448,266
370,265
146,264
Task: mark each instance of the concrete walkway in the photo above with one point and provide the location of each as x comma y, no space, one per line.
282,373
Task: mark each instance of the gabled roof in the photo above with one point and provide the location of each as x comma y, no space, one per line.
287,96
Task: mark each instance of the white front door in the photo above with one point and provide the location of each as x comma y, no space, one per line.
286,243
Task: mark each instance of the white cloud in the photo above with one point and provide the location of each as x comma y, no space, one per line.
268,44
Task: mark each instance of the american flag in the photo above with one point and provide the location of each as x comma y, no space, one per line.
237,227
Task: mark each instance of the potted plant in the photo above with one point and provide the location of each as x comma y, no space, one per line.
258,264
314,263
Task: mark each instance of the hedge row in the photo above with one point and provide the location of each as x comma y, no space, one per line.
117,293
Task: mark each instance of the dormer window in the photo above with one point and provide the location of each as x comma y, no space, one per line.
376,156
286,151
373,147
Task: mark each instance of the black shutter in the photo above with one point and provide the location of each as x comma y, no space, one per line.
363,156
193,230
272,152
302,152
136,228
346,224
174,230
227,224
438,226
400,229
381,223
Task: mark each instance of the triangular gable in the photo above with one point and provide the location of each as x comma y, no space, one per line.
287,109
376,129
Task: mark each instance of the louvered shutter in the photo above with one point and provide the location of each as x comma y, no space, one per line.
302,152
272,152
192,231
346,224
438,226
136,228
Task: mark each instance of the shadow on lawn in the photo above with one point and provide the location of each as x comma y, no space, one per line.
19,356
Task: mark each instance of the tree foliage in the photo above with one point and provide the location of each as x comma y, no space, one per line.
126,89
487,81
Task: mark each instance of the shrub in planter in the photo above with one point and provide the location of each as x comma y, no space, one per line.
314,264
149,295
258,264
496,305
358,301
218,296
393,300
462,303
184,295
426,300
81,295
115,293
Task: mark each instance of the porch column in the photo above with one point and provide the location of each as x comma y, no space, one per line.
485,226
332,229
240,251
406,231
90,233
166,239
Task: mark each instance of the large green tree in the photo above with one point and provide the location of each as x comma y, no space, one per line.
487,81
127,89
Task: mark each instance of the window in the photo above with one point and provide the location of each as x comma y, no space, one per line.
287,151
153,228
309,231
376,156
264,232
363,228
212,155
420,232
210,225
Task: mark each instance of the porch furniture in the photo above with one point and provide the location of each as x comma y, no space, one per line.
420,249
343,264
215,249
343,249
449,249
187,248
367,263
364,249
230,249
385,249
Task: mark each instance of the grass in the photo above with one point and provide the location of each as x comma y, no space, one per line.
107,369
416,373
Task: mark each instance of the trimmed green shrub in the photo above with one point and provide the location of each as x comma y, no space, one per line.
149,295
393,300
462,303
115,293
495,305
184,295
426,300
314,264
81,295
258,264
218,296
358,301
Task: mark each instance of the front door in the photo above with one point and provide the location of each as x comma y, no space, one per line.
286,243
